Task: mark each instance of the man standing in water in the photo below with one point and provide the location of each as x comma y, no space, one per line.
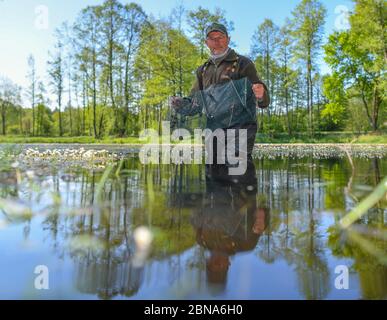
224,65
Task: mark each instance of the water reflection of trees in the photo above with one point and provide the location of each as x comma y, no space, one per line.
294,190
365,242
138,196
297,191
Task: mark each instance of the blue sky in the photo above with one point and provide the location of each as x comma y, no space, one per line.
22,33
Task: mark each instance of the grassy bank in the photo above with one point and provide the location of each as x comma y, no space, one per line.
328,137
375,138
69,140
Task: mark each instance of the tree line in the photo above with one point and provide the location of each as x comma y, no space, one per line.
112,71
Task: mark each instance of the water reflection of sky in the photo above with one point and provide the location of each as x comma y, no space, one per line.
294,257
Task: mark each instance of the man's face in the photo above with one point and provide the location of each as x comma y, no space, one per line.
217,42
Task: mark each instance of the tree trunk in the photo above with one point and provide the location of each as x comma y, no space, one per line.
3,115
309,93
126,88
94,96
375,111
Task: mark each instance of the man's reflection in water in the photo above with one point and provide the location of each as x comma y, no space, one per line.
229,220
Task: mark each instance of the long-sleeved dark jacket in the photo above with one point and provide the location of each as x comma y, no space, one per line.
232,66
217,96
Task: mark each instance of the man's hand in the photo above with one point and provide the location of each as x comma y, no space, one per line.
259,91
175,102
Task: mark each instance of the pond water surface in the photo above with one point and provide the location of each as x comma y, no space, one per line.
270,234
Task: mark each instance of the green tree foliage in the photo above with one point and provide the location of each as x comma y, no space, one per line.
334,112
113,69
165,71
10,97
358,56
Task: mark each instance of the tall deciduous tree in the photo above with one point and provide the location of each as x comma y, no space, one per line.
166,62
308,26
87,49
31,91
287,76
56,73
10,96
263,49
133,20
357,70
368,28
109,15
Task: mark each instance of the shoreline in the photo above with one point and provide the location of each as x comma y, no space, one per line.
382,145
321,150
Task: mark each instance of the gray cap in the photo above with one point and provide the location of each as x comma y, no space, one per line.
216,27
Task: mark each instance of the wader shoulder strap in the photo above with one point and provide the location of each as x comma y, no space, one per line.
200,74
